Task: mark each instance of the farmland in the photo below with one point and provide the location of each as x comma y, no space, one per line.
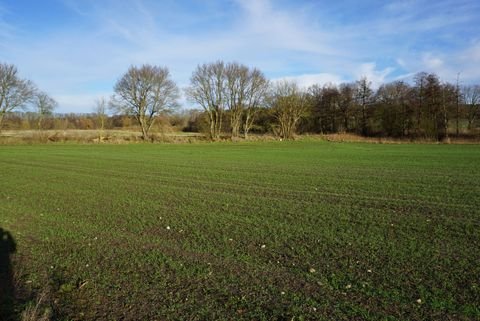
304,230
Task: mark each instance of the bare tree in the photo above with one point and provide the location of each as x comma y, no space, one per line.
364,97
434,103
429,100
457,105
325,104
449,100
419,99
236,85
346,102
244,91
289,105
101,115
145,92
207,89
257,89
44,105
471,97
392,99
15,92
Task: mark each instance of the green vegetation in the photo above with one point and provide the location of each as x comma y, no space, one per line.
257,231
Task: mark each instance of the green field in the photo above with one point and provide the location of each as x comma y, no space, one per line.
305,230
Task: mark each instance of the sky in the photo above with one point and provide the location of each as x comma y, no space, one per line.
76,50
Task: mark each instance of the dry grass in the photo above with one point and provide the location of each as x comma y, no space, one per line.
37,311
13,137
354,138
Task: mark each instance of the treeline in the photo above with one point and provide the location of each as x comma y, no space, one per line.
429,108
234,100
233,94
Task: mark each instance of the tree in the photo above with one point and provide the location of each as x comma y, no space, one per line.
236,85
449,103
393,103
45,105
457,105
145,92
419,99
330,102
316,121
434,99
346,102
257,89
101,115
429,103
289,104
364,98
15,92
207,89
244,92
471,97
324,102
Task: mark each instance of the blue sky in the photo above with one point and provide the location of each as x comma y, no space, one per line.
77,49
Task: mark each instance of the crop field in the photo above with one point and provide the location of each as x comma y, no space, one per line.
304,230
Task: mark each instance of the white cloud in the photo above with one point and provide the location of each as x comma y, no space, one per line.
307,80
432,62
448,65
370,71
270,26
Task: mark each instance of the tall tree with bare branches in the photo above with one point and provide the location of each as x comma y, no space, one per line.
207,89
236,85
101,115
15,92
145,92
289,104
364,98
44,105
257,90
244,91
471,98
396,117
346,103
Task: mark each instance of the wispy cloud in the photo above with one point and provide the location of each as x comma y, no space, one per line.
307,41
308,80
6,30
282,29
376,76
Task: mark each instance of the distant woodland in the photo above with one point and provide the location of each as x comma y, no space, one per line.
234,100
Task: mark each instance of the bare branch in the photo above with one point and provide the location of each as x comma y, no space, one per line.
145,93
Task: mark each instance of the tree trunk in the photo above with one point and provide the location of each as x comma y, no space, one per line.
102,125
144,130
364,121
458,116
445,119
457,98
235,120
470,123
2,114
246,126
219,127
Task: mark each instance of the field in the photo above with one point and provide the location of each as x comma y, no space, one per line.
304,230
